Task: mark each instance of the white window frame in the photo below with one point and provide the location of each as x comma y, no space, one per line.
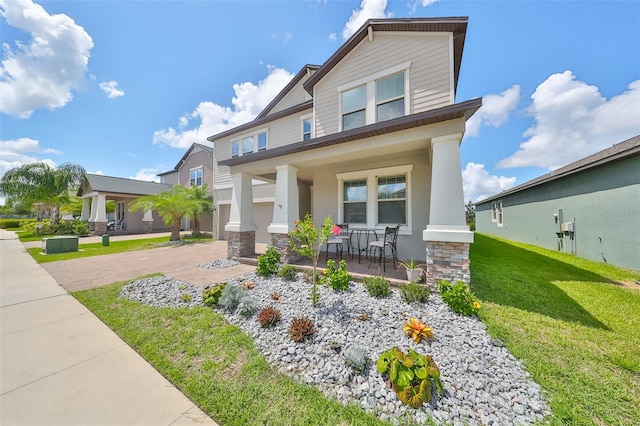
255,136
494,212
120,210
500,219
371,176
304,118
196,169
370,82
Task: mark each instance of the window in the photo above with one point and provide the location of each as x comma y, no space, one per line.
355,201
354,105
306,129
500,214
163,179
376,198
235,148
494,212
392,200
262,141
195,177
247,145
120,210
390,97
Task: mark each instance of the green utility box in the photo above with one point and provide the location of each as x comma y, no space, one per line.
105,240
64,244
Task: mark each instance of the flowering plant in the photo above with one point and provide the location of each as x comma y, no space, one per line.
336,230
307,240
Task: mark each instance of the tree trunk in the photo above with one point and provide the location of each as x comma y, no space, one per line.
196,225
55,215
175,229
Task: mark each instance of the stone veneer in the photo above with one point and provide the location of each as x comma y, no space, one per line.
241,244
147,226
99,228
447,261
281,242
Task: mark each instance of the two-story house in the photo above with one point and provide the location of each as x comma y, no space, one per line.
371,137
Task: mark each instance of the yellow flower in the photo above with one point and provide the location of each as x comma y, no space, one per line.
476,305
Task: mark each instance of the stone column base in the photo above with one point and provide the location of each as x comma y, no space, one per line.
99,228
92,226
241,244
281,242
447,261
147,227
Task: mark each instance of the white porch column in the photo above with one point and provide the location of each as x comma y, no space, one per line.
86,214
101,209
94,208
446,215
241,228
286,208
447,235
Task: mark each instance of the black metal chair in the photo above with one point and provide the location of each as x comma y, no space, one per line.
339,241
388,241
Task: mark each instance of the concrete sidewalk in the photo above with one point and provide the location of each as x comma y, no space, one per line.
60,365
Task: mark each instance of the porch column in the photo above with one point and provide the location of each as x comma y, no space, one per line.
447,235
100,220
147,221
94,213
86,214
286,210
241,228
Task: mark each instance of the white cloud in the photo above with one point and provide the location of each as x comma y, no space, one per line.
495,110
414,5
249,100
478,184
111,89
369,9
147,174
43,72
18,152
97,172
574,120
333,37
287,36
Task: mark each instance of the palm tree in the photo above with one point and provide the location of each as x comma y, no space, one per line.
171,205
202,202
39,183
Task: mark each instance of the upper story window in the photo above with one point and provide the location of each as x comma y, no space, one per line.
195,177
354,106
249,143
375,98
306,129
390,97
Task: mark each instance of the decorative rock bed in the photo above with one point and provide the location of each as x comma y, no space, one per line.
483,382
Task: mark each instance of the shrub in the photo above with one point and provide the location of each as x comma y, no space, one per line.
10,223
417,330
411,375
211,295
414,292
65,227
379,286
247,306
268,317
338,278
301,329
231,296
356,358
458,297
268,262
288,272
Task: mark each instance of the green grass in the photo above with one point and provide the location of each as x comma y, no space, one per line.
97,249
571,321
216,365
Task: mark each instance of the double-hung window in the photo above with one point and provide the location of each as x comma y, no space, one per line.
247,145
195,177
390,97
354,105
355,201
235,148
500,219
262,141
306,129
392,200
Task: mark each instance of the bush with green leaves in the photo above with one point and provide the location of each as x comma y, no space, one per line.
414,292
337,278
211,295
356,358
458,297
268,262
378,286
247,306
288,272
231,297
65,227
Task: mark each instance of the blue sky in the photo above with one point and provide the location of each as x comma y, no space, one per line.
124,87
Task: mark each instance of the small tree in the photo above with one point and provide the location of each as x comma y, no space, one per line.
171,205
470,214
307,240
202,202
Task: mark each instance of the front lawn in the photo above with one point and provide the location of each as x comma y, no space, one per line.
574,323
216,365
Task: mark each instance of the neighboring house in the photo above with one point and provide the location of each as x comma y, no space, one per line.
99,189
195,168
371,137
590,208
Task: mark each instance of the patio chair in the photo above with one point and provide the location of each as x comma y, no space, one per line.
120,225
339,241
381,246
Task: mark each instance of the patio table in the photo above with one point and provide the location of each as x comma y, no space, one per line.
364,234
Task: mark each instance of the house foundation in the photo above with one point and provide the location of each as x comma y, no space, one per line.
281,242
447,260
241,244
99,228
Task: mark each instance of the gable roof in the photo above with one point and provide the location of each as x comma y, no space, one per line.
456,25
301,74
619,151
118,185
206,148
450,112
